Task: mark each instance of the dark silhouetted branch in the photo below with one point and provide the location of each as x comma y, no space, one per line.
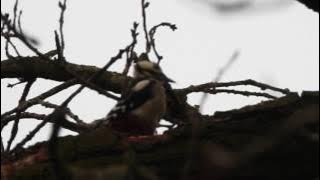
312,4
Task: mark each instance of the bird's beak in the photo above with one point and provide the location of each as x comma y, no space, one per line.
166,79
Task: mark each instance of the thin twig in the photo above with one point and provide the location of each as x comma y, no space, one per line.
20,35
144,6
15,10
58,47
61,63
218,77
152,33
14,129
31,134
75,127
213,85
244,93
94,77
131,55
36,100
68,111
60,43
66,124
7,50
14,48
63,8
8,41
23,115
15,84
60,50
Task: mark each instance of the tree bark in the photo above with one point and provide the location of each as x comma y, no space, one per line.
272,140
30,67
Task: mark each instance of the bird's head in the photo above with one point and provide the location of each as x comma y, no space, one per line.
147,69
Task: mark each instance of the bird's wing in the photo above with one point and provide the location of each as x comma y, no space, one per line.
131,101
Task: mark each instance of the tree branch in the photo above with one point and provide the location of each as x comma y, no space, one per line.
243,143
40,68
65,124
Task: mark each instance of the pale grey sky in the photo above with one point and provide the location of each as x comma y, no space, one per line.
278,46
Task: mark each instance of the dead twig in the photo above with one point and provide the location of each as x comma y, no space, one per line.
131,55
152,33
14,129
218,77
9,42
75,127
20,35
63,7
244,93
213,85
68,112
41,97
144,6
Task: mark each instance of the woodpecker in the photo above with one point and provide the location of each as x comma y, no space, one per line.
140,111
144,68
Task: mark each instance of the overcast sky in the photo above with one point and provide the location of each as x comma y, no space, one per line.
278,44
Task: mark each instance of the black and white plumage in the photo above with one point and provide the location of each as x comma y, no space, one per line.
144,68
147,69
144,104
139,112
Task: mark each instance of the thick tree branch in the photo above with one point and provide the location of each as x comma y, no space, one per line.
115,82
40,68
256,141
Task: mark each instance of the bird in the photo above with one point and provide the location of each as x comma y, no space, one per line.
144,104
141,110
144,68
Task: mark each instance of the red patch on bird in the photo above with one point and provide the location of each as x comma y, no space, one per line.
132,126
